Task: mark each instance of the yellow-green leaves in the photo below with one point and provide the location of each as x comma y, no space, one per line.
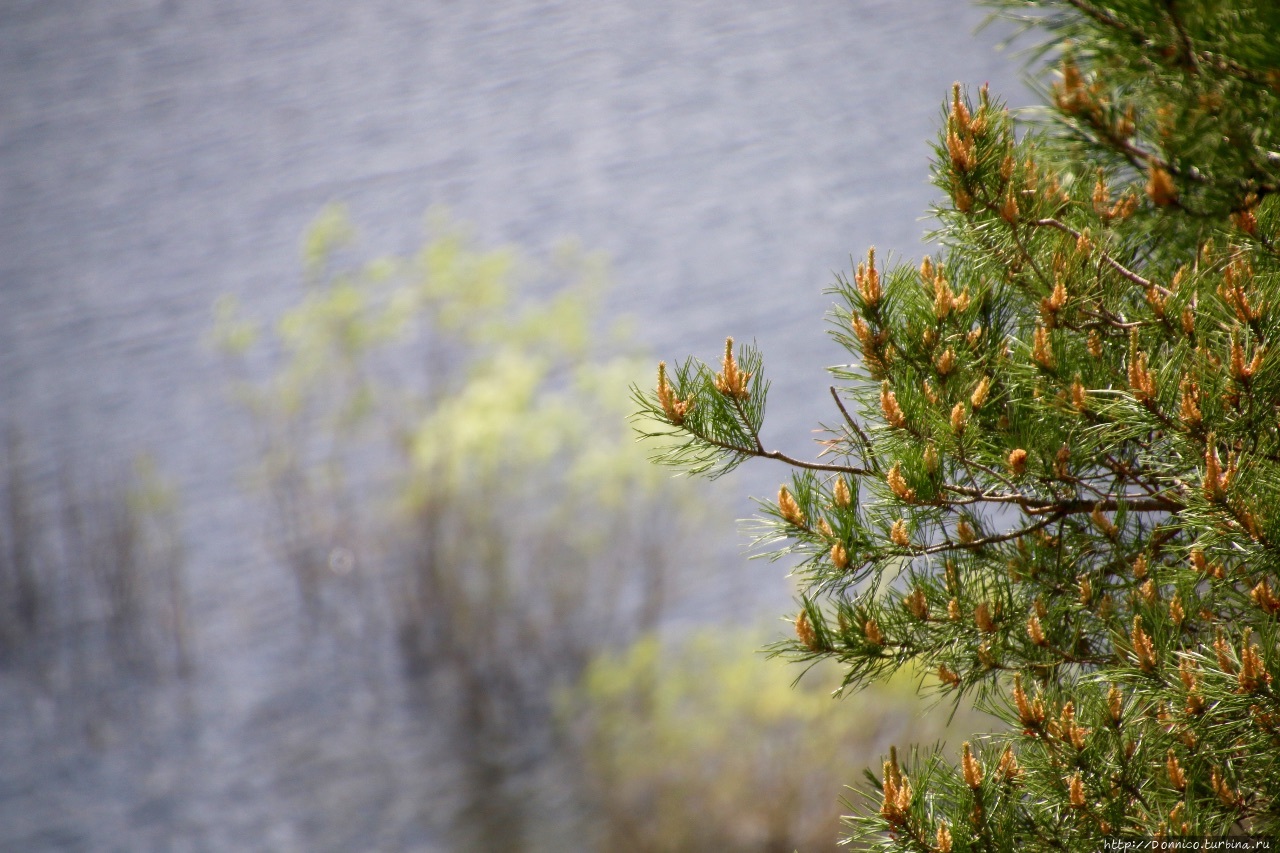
331,230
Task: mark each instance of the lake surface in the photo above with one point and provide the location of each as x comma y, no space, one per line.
155,154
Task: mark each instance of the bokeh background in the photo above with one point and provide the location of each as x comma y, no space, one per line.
252,596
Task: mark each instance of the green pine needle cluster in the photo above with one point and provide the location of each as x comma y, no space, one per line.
1055,482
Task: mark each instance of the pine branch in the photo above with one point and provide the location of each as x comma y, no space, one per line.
759,452
1136,586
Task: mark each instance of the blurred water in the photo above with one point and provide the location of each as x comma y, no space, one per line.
155,154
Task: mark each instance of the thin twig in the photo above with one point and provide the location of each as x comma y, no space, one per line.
1188,52
867,454
1110,261
989,540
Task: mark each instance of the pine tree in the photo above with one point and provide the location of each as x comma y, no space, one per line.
1054,484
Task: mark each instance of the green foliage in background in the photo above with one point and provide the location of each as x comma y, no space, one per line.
441,441
1054,477
442,376
698,744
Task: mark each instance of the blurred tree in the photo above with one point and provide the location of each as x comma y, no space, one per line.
1055,482
443,445
93,600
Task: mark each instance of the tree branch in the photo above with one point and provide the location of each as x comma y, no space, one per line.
780,456
868,454
1110,261
989,540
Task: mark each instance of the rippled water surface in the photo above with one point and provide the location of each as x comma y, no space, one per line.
157,153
